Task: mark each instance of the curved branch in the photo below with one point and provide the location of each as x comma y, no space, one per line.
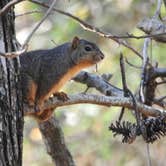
8,6
159,72
98,82
91,28
38,25
99,100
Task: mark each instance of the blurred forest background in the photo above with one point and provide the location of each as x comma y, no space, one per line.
85,126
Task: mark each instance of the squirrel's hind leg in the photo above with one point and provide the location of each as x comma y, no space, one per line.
44,116
29,89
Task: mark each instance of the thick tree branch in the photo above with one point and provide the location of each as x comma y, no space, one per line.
54,139
159,72
99,100
96,81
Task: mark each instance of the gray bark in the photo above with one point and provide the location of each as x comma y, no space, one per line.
11,112
55,143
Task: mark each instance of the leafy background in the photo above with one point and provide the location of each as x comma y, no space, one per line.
85,126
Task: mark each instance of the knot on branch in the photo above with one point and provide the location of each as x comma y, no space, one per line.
151,129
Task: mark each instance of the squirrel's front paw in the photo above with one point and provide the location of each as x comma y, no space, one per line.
61,96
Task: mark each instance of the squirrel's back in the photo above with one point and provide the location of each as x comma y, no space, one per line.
44,72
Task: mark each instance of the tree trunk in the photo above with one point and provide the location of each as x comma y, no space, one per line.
11,112
55,143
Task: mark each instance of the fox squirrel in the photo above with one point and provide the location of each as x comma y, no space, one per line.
44,72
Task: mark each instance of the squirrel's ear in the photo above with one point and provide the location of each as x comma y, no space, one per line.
75,42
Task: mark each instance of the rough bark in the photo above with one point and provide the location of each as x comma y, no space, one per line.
11,113
55,143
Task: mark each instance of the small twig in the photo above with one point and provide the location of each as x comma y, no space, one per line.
157,12
91,28
125,89
122,67
86,90
148,154
130,64
121,114
38,25
131,36
8,6
161,98
53,42
144,70
160,103
135,107
13,54
27,13
162,82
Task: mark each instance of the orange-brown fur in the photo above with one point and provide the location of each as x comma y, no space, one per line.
32,93
45,115
75,56
73,71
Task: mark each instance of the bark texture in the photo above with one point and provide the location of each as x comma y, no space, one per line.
11,113
55,143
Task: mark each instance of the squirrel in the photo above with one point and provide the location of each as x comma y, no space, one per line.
44,72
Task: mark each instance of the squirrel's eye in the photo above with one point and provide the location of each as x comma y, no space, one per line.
88,48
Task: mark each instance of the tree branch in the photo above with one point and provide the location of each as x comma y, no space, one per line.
159,72
28,13
99,100
96,81
54,139
38,25
8,6
13,54
157,12
153,26
91,28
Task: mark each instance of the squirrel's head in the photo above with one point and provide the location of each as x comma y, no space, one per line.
85,52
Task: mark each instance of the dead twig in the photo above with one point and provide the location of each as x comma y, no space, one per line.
38,25
125,88
131,36
13,54
8,6
144,71
157,12
130,64
91,28
27,13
